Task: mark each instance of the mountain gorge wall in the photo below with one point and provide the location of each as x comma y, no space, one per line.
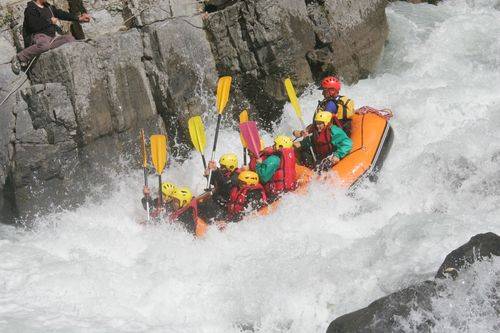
152,64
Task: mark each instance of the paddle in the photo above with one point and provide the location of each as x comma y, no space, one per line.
159,159
295,104
250,133
198,138
145,165
243,119
223,87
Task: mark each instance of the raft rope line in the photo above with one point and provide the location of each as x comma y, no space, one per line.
26,78
364,110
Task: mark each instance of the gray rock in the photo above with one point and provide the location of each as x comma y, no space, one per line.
99,78
7,50
384,314
87,100
151,11
381,315
477,248
103,22
432,2
261,42
181,70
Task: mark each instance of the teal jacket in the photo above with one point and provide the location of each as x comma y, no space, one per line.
267,168
340,141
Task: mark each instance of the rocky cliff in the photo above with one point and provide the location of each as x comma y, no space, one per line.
154,64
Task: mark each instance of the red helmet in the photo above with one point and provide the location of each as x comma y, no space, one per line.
331,82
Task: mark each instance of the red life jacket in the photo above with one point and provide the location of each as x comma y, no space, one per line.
238,198
322,142
284,179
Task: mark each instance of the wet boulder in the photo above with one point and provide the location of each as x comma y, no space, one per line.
386,313
262,42
476,249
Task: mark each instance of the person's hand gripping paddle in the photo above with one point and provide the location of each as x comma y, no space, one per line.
296,106
244,119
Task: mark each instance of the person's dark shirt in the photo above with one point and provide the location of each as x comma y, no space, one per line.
223,185
37,20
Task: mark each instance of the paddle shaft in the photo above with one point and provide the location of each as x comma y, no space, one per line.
146,184
310,147
160,194
219,117
204,161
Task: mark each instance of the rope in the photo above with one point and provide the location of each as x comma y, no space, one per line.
384,113
26,78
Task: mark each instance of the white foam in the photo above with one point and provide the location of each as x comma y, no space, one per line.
94,269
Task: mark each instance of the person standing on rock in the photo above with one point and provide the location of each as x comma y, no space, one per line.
341,107
41,21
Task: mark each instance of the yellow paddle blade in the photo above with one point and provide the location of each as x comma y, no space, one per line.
243,119
159,152
197,133
293,97
143,150
243,116
223,87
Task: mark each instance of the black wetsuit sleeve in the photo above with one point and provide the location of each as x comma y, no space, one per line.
234,180
34,21
217,178
62,15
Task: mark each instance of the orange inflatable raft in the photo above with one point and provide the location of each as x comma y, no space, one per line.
372,138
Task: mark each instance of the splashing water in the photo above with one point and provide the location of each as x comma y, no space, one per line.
94,269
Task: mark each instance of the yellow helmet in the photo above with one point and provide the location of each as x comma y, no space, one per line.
248,177
283,141
324,117
229,161
167,189
183,194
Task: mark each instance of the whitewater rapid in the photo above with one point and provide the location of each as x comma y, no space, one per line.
94,269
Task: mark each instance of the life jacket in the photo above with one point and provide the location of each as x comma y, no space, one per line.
238,199
189,217
268,151
284,179
345,111
322,141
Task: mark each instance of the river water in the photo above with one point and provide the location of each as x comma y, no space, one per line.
94,269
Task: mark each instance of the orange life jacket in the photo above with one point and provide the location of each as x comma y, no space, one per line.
238,199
